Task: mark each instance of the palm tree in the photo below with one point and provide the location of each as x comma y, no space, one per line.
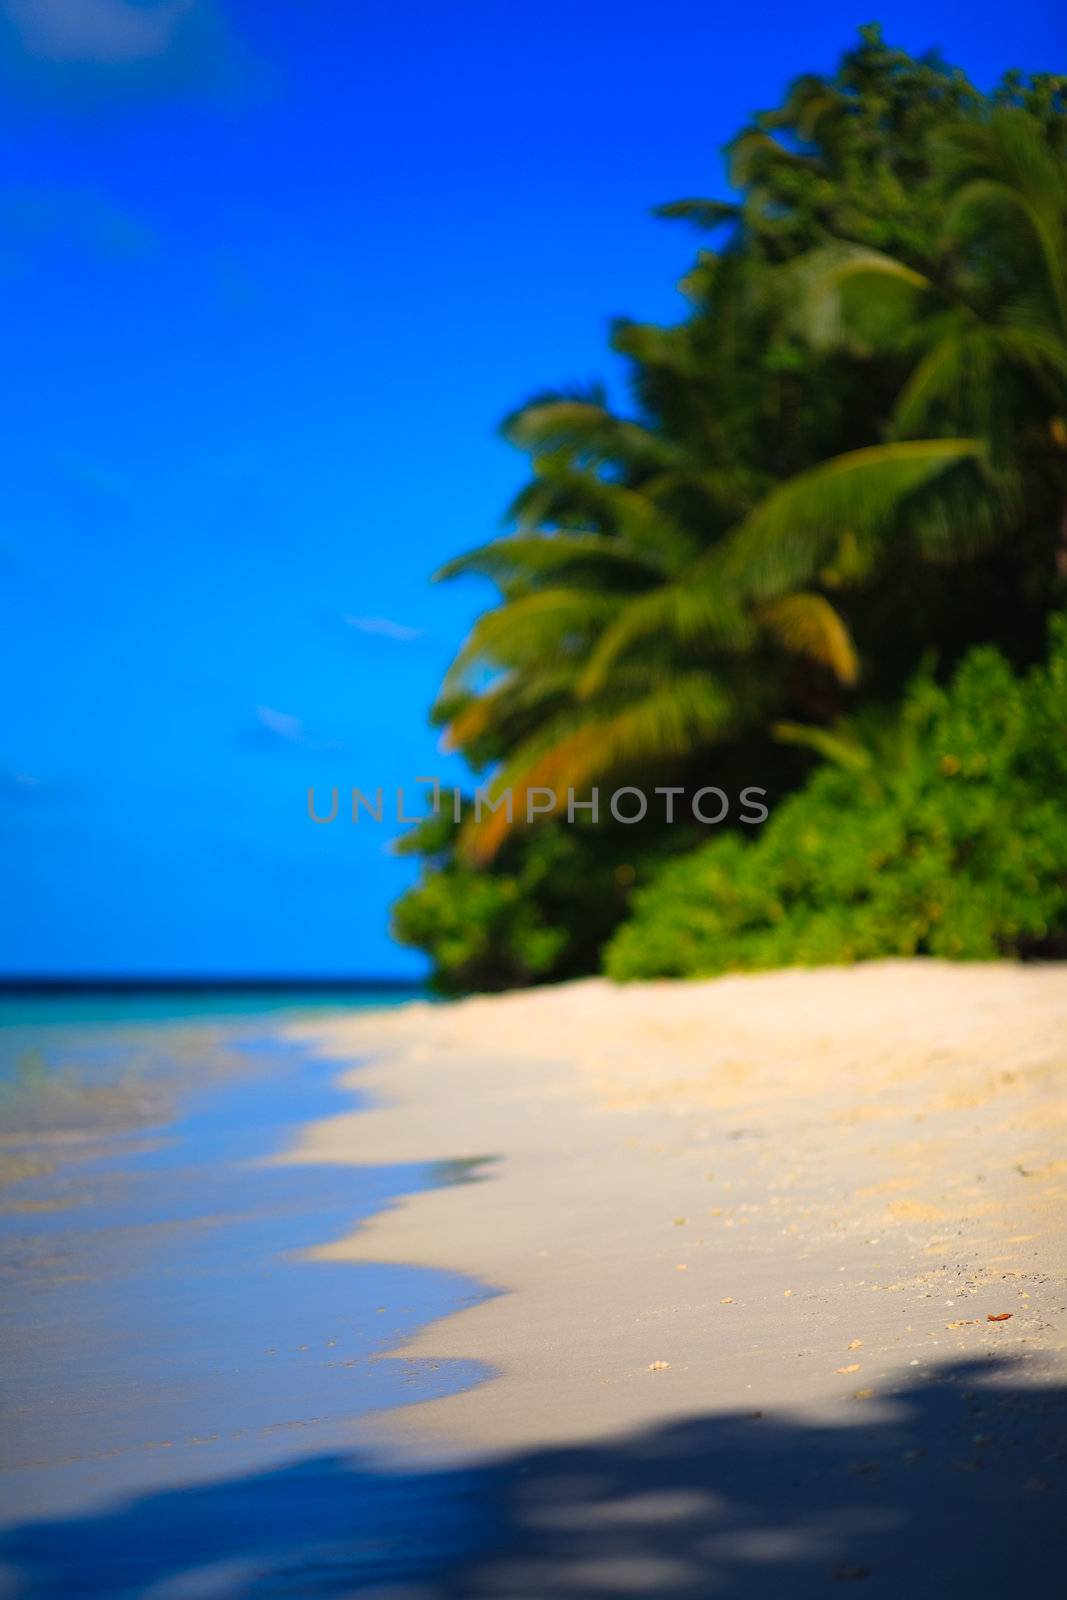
601,659
983,326
676,576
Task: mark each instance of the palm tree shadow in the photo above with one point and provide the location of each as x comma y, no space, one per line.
956,1485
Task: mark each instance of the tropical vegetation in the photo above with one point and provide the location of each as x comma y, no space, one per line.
849,459
942,832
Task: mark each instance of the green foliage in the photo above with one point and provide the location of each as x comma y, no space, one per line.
544,912
862,401
941,831
850,453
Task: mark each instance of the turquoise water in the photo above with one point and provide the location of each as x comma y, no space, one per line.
162,1325
84,1008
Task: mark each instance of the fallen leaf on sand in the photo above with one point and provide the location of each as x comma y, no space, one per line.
854,1344
681,1267
963,1322
658,1366
853,1366
727,1300
998,1316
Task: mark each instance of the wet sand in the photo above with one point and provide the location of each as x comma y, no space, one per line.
161,1326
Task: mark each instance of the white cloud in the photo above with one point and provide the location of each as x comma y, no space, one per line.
282,724
384,628
24,786
274,727
97,30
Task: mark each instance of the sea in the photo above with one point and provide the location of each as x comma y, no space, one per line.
188,1398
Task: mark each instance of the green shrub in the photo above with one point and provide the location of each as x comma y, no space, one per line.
942,833
541,913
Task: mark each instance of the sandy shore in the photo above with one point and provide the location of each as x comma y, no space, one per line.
795,1192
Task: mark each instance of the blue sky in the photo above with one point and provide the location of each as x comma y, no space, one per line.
272,271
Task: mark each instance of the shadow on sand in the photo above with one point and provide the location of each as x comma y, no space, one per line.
954,1486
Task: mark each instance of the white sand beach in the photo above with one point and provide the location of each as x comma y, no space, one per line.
792,1193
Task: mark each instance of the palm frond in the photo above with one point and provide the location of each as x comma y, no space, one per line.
1005,167
839,747
686,612
795,530
584,431
533,557
808,625
703,214
576,500
529,631
818,284
506,702
961,372
670,721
